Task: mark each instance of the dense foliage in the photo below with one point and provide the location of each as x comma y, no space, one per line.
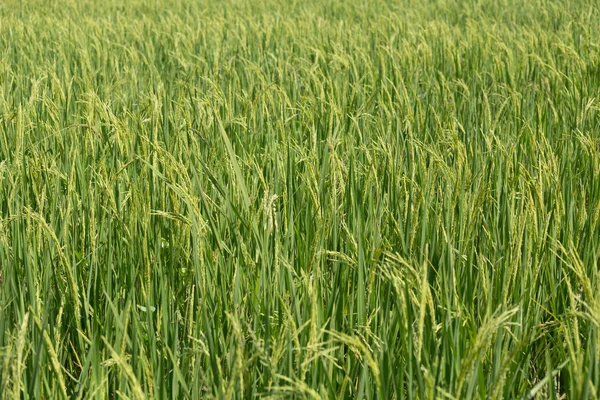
315,199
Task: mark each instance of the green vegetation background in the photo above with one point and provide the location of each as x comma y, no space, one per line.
313,199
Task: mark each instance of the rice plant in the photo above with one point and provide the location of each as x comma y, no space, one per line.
375,199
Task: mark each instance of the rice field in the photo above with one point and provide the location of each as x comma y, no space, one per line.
317,199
